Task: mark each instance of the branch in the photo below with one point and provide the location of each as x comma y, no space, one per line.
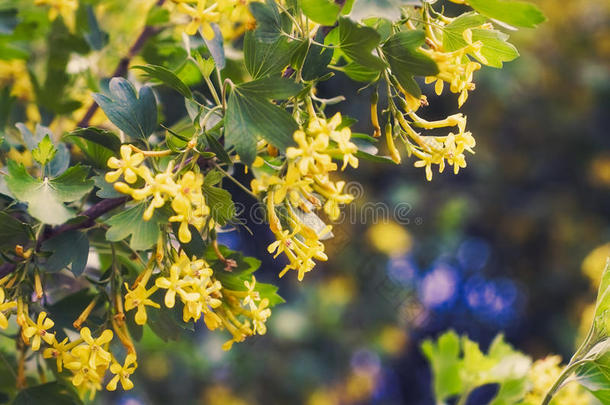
121,69
91,214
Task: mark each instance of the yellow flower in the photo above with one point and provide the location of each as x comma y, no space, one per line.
139,298
98,356
189,205
57,351
38,331
201,17
5,306
542,375
65,8
15,72
260,315
342,137
310,153
123,373
175,284
126,166
84,374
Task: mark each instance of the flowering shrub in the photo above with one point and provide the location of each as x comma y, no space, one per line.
88,167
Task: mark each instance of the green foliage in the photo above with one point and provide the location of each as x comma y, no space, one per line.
357,42
136,116
68,248
248,117
518,13
45,152
590,365
406,61
45,197
52,393
144,234
166,77
459,366
321,11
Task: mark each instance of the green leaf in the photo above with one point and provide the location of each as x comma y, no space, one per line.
495,48
12,232
359,73
67,248
452,32
218,149
268,21
406,61
222,208
357,42
45,151
316,60
594,375
513,12
136,116
382,25
266,58
216,48
234,279
144,234
53,393
445,363
102,137
8,20
96,38
45,197
249,118
459,366
196,247
166,77
276,88
323,12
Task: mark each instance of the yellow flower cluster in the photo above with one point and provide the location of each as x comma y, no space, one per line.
438,149
5,306
455,67
306,186
232,16
185,193
88,358
63,8
543,374
192,281
14,73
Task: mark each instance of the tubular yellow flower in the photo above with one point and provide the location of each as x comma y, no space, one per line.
139,298
57,351
310,153
126,166
98,356
201,17
38,331
5,306
175,284
65,8
123,373
85,376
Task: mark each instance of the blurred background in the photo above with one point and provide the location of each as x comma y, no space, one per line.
514,244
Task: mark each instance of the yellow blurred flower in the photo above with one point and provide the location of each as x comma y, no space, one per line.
390,238
593,265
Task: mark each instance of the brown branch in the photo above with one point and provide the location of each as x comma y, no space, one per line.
93,213
121,69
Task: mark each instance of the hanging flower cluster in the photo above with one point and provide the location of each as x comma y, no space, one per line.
304,186
185,192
